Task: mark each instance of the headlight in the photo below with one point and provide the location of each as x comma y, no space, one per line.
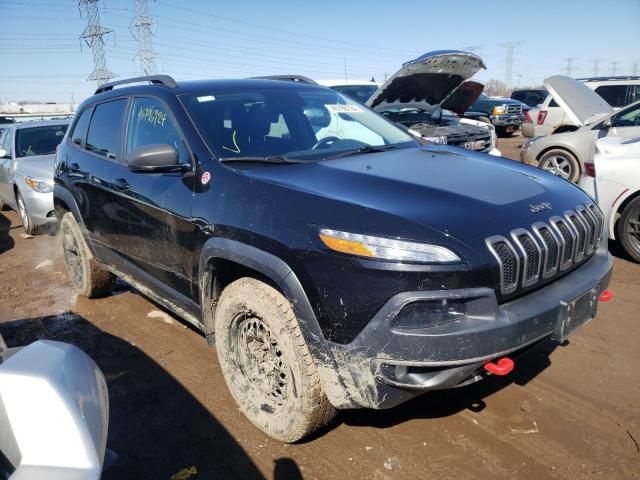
40,187
436,140
498,110
385,248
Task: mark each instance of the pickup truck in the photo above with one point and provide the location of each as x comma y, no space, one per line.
503,113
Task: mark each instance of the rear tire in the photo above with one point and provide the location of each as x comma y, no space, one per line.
628,229
3,206
562,163
266,362
87,276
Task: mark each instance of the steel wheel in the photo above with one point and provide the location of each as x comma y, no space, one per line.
260,359
73,257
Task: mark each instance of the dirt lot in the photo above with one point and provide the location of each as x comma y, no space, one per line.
568,412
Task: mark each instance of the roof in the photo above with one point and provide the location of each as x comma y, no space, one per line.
609,78
40,123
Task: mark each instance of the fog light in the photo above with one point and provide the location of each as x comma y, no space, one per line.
430,313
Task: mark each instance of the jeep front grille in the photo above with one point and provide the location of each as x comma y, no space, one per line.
547,248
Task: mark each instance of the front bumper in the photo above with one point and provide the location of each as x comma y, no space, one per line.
386,365
507,120
39,206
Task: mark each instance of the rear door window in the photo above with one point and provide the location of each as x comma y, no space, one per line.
81,127
151,124
104,137
614,95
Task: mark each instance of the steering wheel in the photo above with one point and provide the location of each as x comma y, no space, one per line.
322,143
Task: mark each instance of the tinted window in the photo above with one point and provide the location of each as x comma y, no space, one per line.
104,131
39,140
614,95
150,124
80,129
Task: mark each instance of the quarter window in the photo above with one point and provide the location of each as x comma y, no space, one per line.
81,127
104,131
150,124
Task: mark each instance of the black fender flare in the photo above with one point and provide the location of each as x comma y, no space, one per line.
279,272
64,195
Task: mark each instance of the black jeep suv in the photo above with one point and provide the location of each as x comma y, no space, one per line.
332,261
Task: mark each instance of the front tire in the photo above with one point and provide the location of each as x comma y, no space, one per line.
561,163
84,272
628,229
27,223
266,362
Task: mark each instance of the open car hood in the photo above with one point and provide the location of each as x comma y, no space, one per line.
427,81
463,97
582,104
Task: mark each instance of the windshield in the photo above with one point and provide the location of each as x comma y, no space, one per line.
310,123
360,93
38,140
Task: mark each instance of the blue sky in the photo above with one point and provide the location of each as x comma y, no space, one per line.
41,56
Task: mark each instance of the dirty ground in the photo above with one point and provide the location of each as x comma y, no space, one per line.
568,412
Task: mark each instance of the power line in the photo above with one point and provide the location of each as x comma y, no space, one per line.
94,35
569,66
143,29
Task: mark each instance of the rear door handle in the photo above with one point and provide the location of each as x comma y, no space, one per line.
121,184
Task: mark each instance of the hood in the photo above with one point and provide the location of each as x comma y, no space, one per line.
463,97
38,167
582,104
619,146
427,81
442,188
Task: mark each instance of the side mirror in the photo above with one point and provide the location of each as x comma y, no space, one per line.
4,153
157,158
606,124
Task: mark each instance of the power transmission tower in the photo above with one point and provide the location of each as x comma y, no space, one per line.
94,35
596,65
508,70
143,28
569,67
614,66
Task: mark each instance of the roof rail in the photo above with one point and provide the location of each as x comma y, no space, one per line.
288,78
164,80
605,78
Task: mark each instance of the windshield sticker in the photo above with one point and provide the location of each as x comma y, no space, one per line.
340,108
206,98
153,115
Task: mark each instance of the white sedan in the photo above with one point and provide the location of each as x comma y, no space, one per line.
613,179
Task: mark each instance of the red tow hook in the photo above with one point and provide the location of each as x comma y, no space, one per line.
503,366
605,296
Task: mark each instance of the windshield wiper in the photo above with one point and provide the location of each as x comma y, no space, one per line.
257,159
361,150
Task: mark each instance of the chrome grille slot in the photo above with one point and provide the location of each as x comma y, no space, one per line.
569,240
551,248
508,261
581,234
531,254
546,249
595,212
591,224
